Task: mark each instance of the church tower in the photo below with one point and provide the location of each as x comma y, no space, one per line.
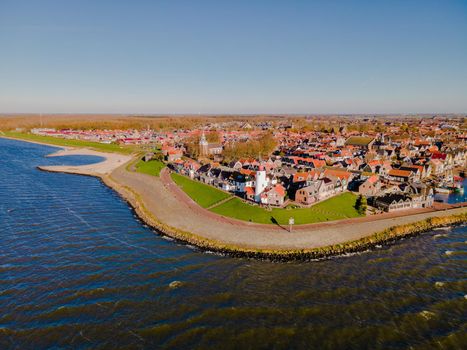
203,146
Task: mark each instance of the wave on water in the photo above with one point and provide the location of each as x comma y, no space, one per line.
78,270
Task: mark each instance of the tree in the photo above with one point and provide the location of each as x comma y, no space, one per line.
267,144
158,156
379,127
264,146
192,147
363,127
213,137
361,205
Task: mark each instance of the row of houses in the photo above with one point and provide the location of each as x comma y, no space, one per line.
311,171
265,183
272,183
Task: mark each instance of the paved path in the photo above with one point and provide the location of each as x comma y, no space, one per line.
173,207
220,202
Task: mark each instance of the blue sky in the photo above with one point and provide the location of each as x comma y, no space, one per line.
233,56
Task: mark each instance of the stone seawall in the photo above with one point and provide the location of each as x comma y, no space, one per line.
388,236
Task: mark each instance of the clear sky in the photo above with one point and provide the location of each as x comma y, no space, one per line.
251,56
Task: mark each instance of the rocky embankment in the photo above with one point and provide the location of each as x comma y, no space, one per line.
387,236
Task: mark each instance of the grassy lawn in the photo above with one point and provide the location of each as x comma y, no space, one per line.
339,207
202,194
153,167
335,208
72,143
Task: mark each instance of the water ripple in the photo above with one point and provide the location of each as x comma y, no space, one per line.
78,270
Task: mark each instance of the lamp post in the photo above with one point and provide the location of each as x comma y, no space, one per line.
291,222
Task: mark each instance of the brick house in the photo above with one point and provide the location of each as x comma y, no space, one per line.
370,186
274,195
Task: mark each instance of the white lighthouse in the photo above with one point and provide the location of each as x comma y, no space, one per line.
261,183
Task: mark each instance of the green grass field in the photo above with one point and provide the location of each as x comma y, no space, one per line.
153,167
335,208
114,148
202,194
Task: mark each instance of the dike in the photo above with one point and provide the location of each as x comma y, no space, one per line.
386,237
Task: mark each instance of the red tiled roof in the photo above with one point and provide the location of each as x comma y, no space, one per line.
280,190
422,143
250,191
318,163
297,177
399,173
415,167
247,172
341,174
375,162
438,155
373,179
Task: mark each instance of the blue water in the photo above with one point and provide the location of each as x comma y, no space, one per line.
453,197
79,270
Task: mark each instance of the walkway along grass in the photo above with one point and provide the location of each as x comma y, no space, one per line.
387,236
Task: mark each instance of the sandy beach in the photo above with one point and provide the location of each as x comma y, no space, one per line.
111,161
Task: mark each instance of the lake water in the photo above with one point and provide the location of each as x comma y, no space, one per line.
79,270
453,197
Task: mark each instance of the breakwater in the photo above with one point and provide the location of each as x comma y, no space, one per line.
385,237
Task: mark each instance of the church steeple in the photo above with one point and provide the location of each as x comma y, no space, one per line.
203,145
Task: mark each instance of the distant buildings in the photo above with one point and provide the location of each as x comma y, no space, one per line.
360,141
394,169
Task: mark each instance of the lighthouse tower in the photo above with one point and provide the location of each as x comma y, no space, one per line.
203,146
261,183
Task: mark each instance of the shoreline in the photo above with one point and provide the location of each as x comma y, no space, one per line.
386,238
390,234
36,142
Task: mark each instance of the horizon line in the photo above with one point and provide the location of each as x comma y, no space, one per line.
158,114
